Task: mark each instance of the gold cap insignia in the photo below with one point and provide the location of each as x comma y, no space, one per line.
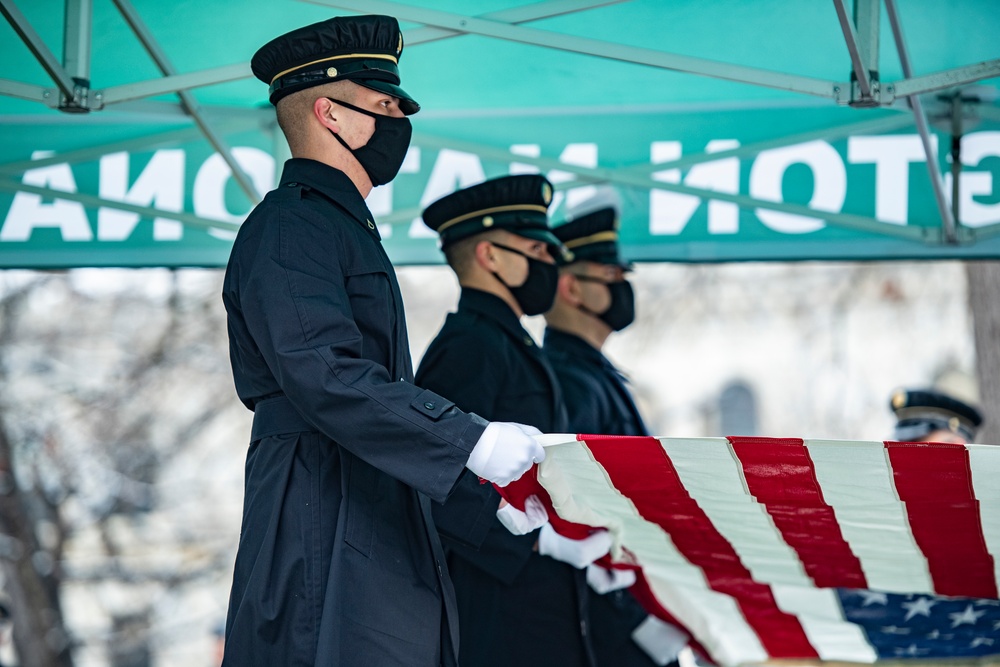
953,424
546,193
399,47
899,400
488,221
331,72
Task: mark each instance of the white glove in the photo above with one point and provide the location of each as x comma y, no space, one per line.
660,640
533,517
604,580
578,553
505,451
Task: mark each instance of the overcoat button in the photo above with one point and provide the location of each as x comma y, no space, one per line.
429,405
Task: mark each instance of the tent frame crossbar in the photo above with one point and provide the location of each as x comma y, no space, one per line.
64,82
871,126
239,71
99,202
591,175
592,47
190,104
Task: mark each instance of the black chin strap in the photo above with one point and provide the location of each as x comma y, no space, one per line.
508,249
583,309
502,281
341,140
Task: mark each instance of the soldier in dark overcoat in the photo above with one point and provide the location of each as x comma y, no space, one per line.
517,604
339,562
593,301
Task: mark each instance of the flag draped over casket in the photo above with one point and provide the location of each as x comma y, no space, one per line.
768,548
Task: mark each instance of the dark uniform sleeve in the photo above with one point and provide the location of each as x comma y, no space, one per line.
296,301
469,369
584,399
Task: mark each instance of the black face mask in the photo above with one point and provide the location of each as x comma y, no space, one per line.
538,292
383,155
621,312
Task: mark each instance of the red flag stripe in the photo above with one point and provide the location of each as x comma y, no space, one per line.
641,470
935,483
780,475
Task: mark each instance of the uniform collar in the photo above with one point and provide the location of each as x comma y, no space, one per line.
491,306
575,346
331,183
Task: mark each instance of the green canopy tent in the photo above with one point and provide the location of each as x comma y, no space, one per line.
134,135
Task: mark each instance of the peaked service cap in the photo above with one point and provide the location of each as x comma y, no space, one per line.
362,49
919,412
593,237
518,204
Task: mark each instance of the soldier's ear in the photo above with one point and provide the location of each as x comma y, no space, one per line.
327,113
568,289
485,255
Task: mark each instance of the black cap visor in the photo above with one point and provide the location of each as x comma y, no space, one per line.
558,251
407,104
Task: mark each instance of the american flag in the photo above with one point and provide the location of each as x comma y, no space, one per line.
767,548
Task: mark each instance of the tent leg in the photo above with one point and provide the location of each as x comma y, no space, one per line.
860,70
76,41
956,153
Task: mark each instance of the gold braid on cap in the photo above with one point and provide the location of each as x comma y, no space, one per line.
495,209
379,56
593,238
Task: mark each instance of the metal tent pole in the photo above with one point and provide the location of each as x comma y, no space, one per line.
76,51
187,100
947,221
593,47
604,174
38,49
874,126
859,52
99,202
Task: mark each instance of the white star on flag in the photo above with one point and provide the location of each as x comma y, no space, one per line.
921,606
873,597
911,650
981,641
969,616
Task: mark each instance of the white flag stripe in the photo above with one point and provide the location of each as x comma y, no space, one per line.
713,475
714,478
552,439
985,466
819,612
713,617
857,483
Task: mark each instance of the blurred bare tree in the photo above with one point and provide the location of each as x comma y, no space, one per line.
984,302
99,396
